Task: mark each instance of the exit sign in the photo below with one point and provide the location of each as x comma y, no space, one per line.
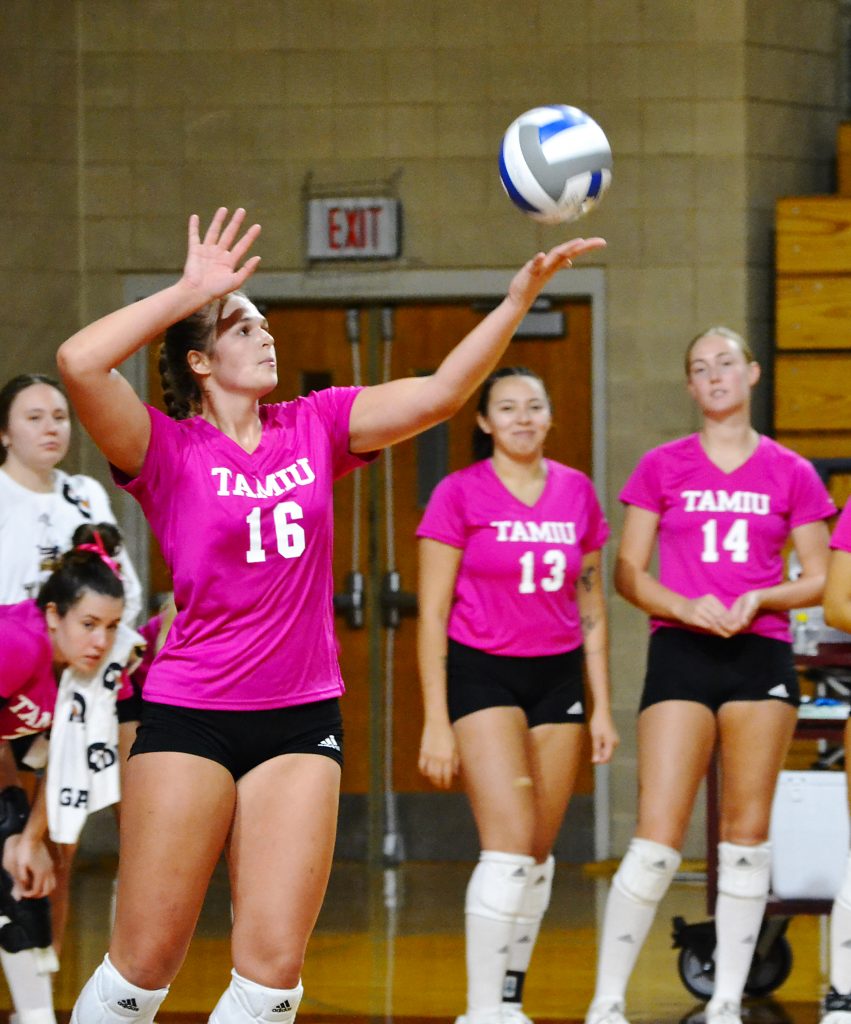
353,228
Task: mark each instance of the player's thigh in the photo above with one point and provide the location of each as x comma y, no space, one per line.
279,857
555,756
493,745
675,743
754,740
177,810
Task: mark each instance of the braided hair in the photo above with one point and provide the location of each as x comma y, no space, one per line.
195,333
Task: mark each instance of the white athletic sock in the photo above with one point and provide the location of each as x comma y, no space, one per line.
524,935
108,998
494,896
31,992
840,936
639,884
743,883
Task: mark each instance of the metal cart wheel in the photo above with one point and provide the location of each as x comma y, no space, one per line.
771,965
697,974
770,970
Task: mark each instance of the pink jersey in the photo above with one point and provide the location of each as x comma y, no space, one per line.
841,538
515,593
248,540
723,533
28,686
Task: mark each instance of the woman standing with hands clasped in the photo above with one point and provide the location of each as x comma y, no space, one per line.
511,612
721,504
239,747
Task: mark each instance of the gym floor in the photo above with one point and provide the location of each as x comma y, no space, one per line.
389,948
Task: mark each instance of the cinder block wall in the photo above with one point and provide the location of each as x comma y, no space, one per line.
120,117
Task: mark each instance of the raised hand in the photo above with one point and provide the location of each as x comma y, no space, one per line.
531,278
215,265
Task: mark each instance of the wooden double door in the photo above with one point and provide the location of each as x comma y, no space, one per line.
318,346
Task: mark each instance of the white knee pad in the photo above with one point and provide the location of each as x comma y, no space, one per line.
539,888
647,870
744,871
498,885
108,998
246,1002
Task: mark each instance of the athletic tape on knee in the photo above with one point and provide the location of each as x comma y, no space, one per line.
539,888
498,885
108,998
744,871
246,1002
647,870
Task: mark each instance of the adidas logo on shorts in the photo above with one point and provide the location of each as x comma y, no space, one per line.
575,708
778,691
286,1004
128,1004
330,741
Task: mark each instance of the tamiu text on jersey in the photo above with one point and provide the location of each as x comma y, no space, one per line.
727,501
513,530
231,484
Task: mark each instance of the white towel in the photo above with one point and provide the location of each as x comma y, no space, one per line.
82,767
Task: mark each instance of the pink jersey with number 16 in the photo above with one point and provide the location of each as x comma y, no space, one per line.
248,539
723,533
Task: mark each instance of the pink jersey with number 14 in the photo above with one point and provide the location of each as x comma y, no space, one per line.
723,533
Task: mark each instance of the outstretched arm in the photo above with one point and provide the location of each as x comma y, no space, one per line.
108,407
387,413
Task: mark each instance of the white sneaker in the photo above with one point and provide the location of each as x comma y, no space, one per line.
606,1011
723,1011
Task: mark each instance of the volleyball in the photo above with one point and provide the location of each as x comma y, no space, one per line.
555,163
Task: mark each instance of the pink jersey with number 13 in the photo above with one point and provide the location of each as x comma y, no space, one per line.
723,533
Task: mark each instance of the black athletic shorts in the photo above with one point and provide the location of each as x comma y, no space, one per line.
549,688
713,670
242,740
130,709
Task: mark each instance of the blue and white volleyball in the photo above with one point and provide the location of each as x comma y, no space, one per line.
555,163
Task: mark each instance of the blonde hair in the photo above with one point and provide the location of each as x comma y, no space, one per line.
723,332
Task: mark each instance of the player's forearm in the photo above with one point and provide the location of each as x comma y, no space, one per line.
800,593
469,363
641,589
431,658
595,640
103,345
35,829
